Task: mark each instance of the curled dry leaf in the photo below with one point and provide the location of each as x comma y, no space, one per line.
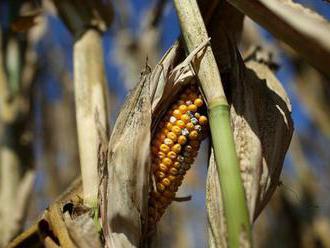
128,168
302,29
262,127
261,122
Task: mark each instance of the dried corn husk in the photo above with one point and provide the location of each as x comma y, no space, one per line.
129,146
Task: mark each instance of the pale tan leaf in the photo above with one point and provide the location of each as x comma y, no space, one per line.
262,127
261,122
301,28
128,168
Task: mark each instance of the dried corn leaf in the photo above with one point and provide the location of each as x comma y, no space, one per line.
262,127
128,168
301,28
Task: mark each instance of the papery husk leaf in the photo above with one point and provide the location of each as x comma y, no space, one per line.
261,122
301,28
128,168
172,81
262,128
275,128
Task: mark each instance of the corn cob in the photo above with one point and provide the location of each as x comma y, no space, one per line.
174,148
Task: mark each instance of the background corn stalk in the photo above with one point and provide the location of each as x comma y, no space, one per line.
90,85
17,71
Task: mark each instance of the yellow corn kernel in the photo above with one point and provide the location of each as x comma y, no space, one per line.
198,102
180,123
192,108
185,118
164,148
160,187
173,171
166,182
169,125
172,136
177,114
182,139
202,120
176,130
171,155
168,142
165,130
160,174
183,108
176,148
163,167
190,126
167,161
193,135
161,155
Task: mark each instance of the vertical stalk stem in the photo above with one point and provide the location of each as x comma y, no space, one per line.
16,171
89,84
235,207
